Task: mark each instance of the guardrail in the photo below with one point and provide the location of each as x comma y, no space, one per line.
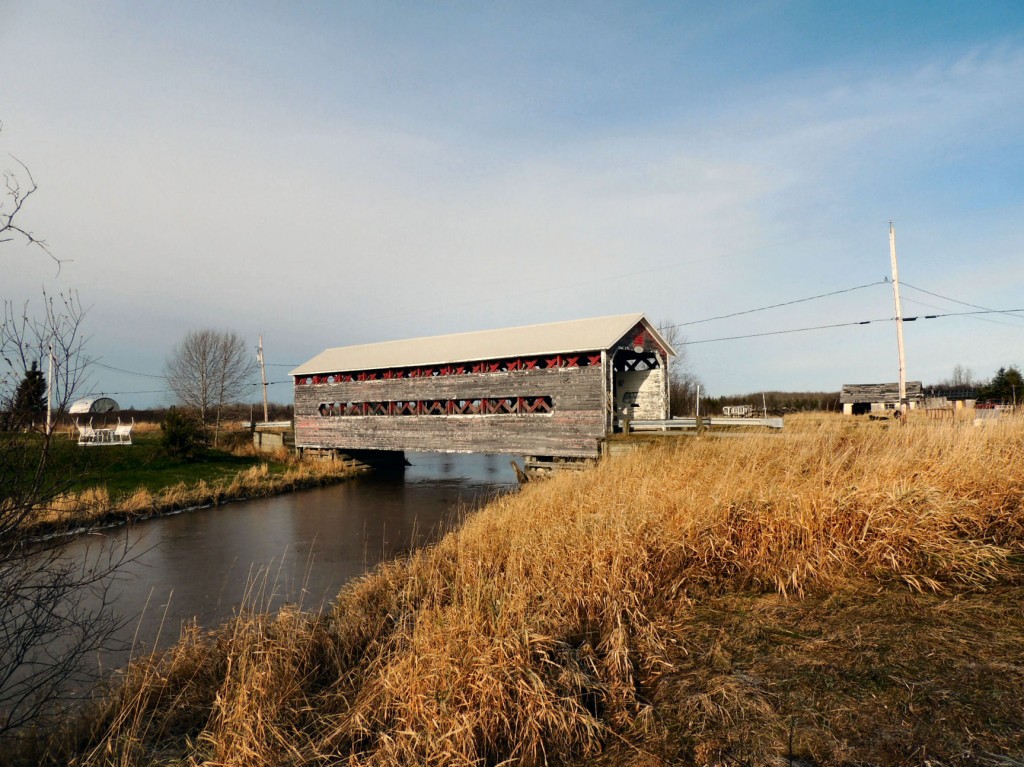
686,424
272,424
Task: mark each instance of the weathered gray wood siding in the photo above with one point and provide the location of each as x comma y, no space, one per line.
574,428
883,392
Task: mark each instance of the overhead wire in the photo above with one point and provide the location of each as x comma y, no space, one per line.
782,332
776,306
962,303
168,391
849,324
980,310
129,372
682,324
979,319
963,314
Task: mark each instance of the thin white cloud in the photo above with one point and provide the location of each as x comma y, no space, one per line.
228,189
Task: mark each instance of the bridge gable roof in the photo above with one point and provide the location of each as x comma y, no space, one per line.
598,333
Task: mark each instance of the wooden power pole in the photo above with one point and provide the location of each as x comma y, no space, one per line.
263,372
49,393
904,405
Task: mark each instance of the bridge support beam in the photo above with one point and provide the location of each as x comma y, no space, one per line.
377,459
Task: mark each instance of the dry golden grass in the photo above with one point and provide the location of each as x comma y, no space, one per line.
840,593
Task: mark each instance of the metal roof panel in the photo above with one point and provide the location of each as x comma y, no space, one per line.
531,340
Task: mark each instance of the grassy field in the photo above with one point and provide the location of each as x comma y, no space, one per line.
839,594
122,470
112,484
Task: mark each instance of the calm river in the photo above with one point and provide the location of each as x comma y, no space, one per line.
301,547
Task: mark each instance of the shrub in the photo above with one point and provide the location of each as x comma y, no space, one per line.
184,436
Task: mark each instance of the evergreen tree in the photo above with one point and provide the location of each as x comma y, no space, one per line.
1007,386
30,397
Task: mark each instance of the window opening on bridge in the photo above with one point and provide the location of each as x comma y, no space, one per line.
626,361
538,405
511,364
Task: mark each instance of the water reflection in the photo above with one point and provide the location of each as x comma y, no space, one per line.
299,548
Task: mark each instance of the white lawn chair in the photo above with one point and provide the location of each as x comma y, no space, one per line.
123,433
86,434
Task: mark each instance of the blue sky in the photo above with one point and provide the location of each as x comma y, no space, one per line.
340,173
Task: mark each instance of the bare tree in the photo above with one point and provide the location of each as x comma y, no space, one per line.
208,370
962,377
55,609
682,381
961,380
19,186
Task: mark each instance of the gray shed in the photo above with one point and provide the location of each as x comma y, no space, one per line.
858,399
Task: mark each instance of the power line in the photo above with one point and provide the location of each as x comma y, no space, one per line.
164,378
1008,312
681,324
849,324
168,391
965,314
111,393
784,332
776,306
973,314
129,372
979,319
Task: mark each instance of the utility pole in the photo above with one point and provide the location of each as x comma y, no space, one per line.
899,320
49,394
263,371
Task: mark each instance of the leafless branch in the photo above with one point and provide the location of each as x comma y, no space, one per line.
683,382
55,609
209,370
19,185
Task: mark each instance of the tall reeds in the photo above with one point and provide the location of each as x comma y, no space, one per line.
581,619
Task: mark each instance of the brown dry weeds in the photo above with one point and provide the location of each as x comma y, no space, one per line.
94,507
834,595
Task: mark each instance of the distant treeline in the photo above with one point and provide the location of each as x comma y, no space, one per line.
776,402
235,414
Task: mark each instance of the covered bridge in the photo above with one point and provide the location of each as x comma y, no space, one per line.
552,390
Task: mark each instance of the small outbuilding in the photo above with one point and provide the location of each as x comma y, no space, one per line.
952,398
551,390
858,399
